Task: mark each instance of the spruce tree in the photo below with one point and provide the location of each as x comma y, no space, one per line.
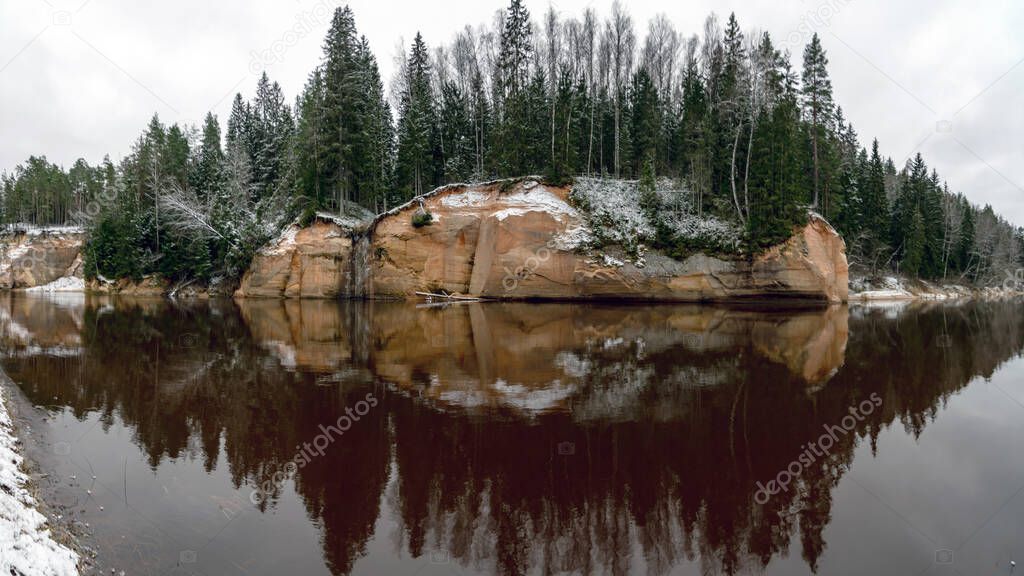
208,176
417,126
817,99
965,245
341,122
645,119
913,255
455,119
511,99
271,127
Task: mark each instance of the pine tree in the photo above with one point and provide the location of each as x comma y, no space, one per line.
377,156
417,126
310,151
456,133
875,209
271,129
645,119
174,157
239,131
817,94
913,255
341,123
965,245
512,79
208,176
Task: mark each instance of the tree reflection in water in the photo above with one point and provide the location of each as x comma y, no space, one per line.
514,437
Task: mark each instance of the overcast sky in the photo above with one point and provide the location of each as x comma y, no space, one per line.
80,78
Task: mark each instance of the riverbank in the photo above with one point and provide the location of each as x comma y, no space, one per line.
28,547
892,289
516,239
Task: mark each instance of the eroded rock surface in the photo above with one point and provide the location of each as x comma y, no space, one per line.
311,262
37,258
526,241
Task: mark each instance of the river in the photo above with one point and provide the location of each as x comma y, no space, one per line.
315,437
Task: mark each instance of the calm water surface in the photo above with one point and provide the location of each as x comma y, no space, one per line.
273,437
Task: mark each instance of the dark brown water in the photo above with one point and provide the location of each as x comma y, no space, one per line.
385,438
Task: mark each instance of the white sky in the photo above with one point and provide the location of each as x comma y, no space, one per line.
80,78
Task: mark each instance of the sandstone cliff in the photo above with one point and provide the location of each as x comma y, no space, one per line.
41,258
526,241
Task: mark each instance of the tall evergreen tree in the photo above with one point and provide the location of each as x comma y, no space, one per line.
418,143
511,98
817,94
208,176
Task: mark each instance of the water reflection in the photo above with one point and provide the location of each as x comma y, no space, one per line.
513,438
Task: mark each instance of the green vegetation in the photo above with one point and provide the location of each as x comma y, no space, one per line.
421,219
750,143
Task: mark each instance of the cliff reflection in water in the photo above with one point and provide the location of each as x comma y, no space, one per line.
515,437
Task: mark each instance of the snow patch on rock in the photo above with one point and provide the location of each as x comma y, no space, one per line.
576,235
541,198
62,284
284,243
26,546
612,261
467,198
355,216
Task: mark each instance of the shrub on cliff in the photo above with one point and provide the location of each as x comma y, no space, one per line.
621,213
421,219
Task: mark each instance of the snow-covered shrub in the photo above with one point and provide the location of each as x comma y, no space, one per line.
422,218
612,208
615,212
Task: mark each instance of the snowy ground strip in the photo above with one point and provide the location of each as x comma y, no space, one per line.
62,284
34,230
26,545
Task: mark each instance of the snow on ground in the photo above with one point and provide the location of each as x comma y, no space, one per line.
284,243
538,197
892,289
26,545
467,198
62,284
535,198
33,230
354,216
615,211
882,295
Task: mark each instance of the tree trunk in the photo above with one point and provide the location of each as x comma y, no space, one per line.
814,146
732,179
590,140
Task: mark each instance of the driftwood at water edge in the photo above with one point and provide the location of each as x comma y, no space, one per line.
444,296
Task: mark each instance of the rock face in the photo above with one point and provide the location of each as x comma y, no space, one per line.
525,241
312,262
37,258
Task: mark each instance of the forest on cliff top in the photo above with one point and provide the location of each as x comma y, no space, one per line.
745,137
